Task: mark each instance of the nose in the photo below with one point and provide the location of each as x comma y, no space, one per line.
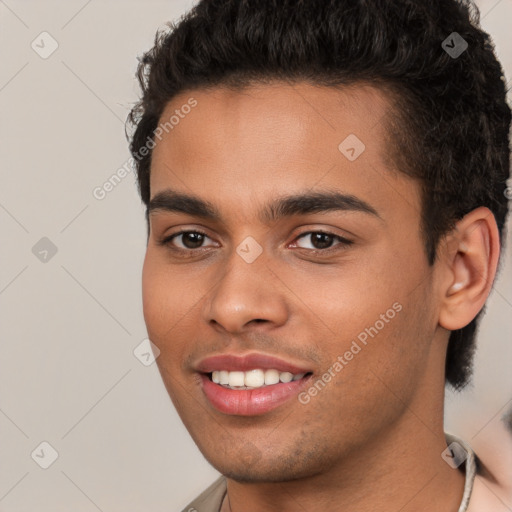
245,294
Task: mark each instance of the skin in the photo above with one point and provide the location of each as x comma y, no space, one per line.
373,436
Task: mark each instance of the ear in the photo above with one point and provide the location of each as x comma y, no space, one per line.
470,263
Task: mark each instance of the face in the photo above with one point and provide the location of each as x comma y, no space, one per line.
335,290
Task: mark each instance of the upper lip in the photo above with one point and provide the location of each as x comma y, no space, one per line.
232,362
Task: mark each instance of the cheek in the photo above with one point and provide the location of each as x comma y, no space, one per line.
152,293
349,298
379,318
162,306
171,300
398,345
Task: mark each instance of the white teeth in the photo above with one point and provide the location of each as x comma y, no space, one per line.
236,379
253,379
271,377
286,377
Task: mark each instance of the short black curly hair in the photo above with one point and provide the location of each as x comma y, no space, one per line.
450,122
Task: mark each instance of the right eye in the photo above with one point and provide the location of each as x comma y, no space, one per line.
191,240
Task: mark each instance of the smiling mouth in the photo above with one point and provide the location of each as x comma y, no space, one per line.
253,379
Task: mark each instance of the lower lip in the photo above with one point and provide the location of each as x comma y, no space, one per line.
250,402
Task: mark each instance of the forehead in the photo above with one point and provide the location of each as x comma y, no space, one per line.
271,139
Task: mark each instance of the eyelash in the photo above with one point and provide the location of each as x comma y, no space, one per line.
344,242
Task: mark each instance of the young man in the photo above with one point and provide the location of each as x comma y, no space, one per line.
325,186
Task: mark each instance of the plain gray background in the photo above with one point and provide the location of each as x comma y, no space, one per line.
70,321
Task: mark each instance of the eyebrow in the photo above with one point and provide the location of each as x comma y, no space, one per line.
286,206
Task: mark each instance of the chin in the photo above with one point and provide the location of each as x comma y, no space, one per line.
259,474
269,468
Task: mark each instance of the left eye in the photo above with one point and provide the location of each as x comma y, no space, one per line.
322,240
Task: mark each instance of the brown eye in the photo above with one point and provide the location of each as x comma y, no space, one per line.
322,240
190,240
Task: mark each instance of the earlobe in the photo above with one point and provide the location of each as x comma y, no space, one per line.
471,268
